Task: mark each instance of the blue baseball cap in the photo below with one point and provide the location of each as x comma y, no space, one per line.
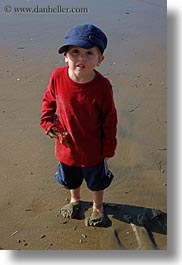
85,36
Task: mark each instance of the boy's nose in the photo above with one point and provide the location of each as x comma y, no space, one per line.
82,56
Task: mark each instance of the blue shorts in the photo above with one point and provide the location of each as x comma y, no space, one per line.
97,177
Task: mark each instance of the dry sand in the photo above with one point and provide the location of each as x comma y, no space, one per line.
135,63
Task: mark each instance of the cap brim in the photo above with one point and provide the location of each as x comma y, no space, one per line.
63,49
82,44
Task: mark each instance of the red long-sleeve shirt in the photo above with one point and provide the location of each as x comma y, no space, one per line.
87,112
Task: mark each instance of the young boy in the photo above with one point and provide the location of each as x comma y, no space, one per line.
86,120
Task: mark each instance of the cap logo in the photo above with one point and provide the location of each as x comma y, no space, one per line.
90,37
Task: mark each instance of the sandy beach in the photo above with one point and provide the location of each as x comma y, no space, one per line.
135,63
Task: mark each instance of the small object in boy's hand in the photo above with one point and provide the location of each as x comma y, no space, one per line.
53,132
63,137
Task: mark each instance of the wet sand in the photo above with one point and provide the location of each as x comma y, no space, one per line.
135,63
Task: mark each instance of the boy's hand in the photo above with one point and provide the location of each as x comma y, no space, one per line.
53,132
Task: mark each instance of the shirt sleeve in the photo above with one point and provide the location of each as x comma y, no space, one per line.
48,106
109,123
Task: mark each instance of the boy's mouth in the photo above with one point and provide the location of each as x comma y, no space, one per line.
82,66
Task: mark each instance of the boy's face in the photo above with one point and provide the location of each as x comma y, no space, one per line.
83,61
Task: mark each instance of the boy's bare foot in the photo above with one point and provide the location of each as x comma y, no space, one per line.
70,210
95,219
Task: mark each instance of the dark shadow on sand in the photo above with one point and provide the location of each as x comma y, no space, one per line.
154,220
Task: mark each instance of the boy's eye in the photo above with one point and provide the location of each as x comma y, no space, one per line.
89,53
75,51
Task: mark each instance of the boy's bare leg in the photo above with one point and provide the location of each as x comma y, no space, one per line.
97,216
71,209
75,195
98,200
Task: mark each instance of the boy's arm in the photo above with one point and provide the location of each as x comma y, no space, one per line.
109,124
48,108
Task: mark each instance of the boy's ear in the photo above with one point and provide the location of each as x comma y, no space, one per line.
101,58
65,59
